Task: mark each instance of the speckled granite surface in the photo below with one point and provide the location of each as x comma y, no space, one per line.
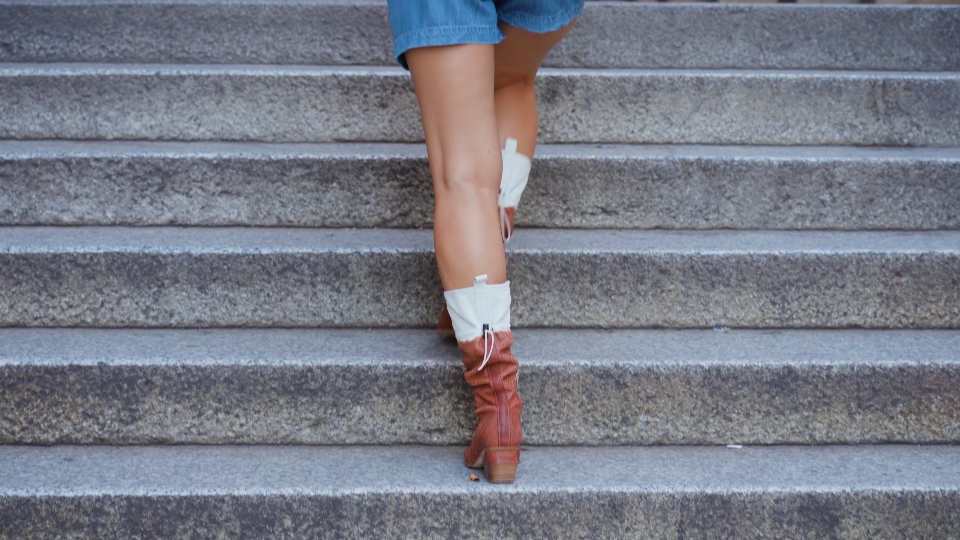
410,491
608,34
282,104
388,185
210,277
405,386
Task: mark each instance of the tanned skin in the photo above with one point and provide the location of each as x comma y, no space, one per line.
472,97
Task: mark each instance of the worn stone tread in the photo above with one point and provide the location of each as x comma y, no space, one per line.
233,386
608,34
612,492
15,240
280,104
388,185
213,277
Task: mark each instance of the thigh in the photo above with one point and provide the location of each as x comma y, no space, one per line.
454,86
521,52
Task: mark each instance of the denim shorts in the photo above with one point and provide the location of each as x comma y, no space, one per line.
431,23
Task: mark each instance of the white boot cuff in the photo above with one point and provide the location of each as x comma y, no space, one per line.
516,172
473,307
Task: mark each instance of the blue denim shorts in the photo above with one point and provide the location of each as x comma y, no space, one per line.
431,23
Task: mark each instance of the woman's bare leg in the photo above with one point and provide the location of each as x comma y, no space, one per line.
516,61
455,89
454,86
472,97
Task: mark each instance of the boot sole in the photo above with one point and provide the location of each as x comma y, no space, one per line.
497,473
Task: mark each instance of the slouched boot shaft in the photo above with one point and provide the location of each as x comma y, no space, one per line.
480,317
498,405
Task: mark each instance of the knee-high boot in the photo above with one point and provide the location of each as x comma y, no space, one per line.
481,320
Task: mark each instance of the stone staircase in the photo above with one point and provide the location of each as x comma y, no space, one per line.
217,278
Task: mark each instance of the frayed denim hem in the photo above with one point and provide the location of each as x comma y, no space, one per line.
539,24
444,35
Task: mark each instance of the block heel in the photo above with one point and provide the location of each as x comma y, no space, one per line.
500,464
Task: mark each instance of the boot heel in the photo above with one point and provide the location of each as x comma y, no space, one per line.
500,473
500,464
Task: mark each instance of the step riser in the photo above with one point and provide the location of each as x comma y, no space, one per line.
374,187
430,404
762,37
284,104
416,491
606,35
811,514
561,289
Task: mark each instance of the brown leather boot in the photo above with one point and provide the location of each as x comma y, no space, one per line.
480,317
496,442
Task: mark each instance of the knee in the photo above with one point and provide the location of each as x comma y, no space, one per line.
520,80
479,174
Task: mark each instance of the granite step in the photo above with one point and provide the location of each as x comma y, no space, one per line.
377,104
580,387
388,185
281,277
608,34
415,491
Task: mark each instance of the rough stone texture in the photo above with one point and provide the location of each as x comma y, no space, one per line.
758,107
218,32
363,492
707,187
731,278
616,34
388,185
206,277
121,183
635,35
395,387
295,103
217,277
269,103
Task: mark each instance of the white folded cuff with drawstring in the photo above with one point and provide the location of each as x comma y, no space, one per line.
472,308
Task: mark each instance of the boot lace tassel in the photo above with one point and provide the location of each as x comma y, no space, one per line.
492,340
